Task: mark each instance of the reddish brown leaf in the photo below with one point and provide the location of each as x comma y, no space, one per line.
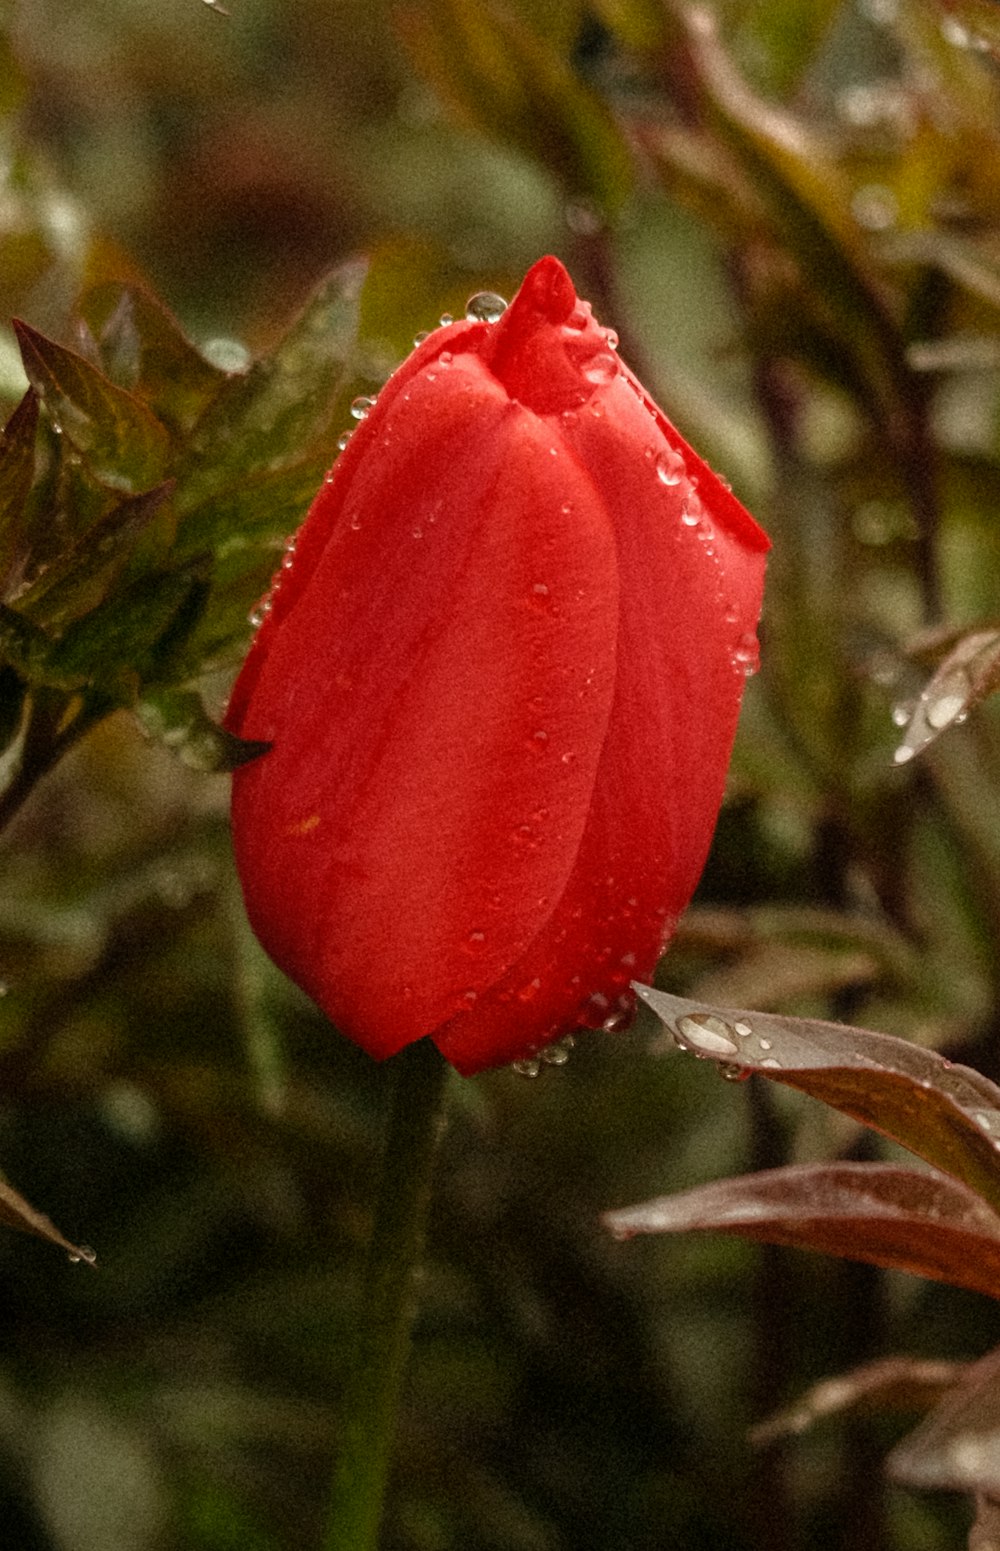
946,1114
16,1212
917,1222
957,1447
889,1384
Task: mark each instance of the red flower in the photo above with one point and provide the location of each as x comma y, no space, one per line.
501,681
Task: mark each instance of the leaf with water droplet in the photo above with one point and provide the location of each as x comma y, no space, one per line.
16,1212
968,673
121,440
947,1114
923,1223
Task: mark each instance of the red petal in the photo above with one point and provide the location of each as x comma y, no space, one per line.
455,641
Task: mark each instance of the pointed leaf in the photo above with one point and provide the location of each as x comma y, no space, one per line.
947,1114
969,672
286,405
121,440
889,1384
82,574
16,1212
886,1216
17,470
134,636
146,351
266,507
178,718
957,1447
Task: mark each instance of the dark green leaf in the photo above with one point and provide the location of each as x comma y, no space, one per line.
267,506
134,636
947,1114
145,350
81,575
122,441
886,1216
287,405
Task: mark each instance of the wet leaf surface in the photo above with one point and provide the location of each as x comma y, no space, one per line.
968,673
945,1113
887,1216
120,439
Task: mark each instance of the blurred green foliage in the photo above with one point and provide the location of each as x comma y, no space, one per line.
788,209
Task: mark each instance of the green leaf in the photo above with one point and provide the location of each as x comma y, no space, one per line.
288,404
82,574
886,1216
122,442
145,350
947,1114
268,506
177,718
135,636
17,470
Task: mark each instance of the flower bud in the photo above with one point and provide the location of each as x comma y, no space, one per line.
500,680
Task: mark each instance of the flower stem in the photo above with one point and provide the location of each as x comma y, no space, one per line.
382,1339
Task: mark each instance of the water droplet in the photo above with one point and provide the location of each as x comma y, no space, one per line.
733,1073
538,740
708,1033
84,1253
746,655
354,522
771,1064
903,754
343,439
670,467
475,941
611,339
417,532
530,1067
943,710
362,406
445,319
558,1053
485,307
765,1044
418,339
743,1029
257,615
601,369
902,713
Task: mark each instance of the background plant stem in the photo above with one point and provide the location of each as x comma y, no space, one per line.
418,1077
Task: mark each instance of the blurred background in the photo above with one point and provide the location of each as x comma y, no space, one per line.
789,211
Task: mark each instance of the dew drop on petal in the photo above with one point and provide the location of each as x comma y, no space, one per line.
670,467
485,307
601,369
418,339
445,319
343,439
530,1067
708,1033
362,406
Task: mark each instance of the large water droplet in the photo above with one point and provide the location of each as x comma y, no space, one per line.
944,709
601,369
362,406
708,1033
670,467
485,307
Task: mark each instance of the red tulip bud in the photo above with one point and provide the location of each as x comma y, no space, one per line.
501,679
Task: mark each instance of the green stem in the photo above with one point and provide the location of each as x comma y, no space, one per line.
368,1410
